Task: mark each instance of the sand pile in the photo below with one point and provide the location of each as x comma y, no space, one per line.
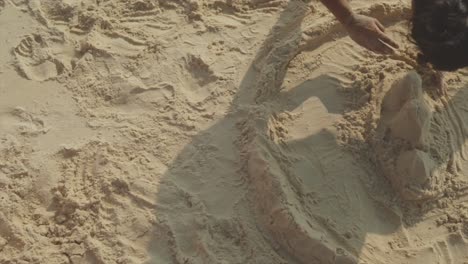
193,131
406,119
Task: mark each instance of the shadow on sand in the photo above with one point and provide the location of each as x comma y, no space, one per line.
309,202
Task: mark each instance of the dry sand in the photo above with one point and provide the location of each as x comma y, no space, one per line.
224,131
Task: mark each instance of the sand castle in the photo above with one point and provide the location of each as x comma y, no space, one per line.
406,119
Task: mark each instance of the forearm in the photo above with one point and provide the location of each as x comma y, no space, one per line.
339,8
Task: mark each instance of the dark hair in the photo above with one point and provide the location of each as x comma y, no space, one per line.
440,29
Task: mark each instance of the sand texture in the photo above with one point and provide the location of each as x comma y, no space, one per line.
224,131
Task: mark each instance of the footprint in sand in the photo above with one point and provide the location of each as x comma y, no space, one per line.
23,122
34,60
200,70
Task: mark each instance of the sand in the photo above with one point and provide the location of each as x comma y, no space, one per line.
230,131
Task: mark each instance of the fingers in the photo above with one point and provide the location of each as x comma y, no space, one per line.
386,49
380,26
381,35
369,33
441,84
378,46
387,40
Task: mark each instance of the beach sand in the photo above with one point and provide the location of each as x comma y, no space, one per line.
224,131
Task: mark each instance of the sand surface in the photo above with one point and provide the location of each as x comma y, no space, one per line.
224,131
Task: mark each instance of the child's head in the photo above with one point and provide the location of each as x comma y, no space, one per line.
440,29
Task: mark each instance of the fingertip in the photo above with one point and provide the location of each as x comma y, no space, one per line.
393,43
385,48
388,41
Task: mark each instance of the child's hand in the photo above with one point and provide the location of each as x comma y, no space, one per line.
369,33
440,82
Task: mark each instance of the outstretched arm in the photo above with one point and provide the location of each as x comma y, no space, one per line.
366,31
339,8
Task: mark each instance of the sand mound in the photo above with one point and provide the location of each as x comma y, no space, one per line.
154,131
408,143
405,128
